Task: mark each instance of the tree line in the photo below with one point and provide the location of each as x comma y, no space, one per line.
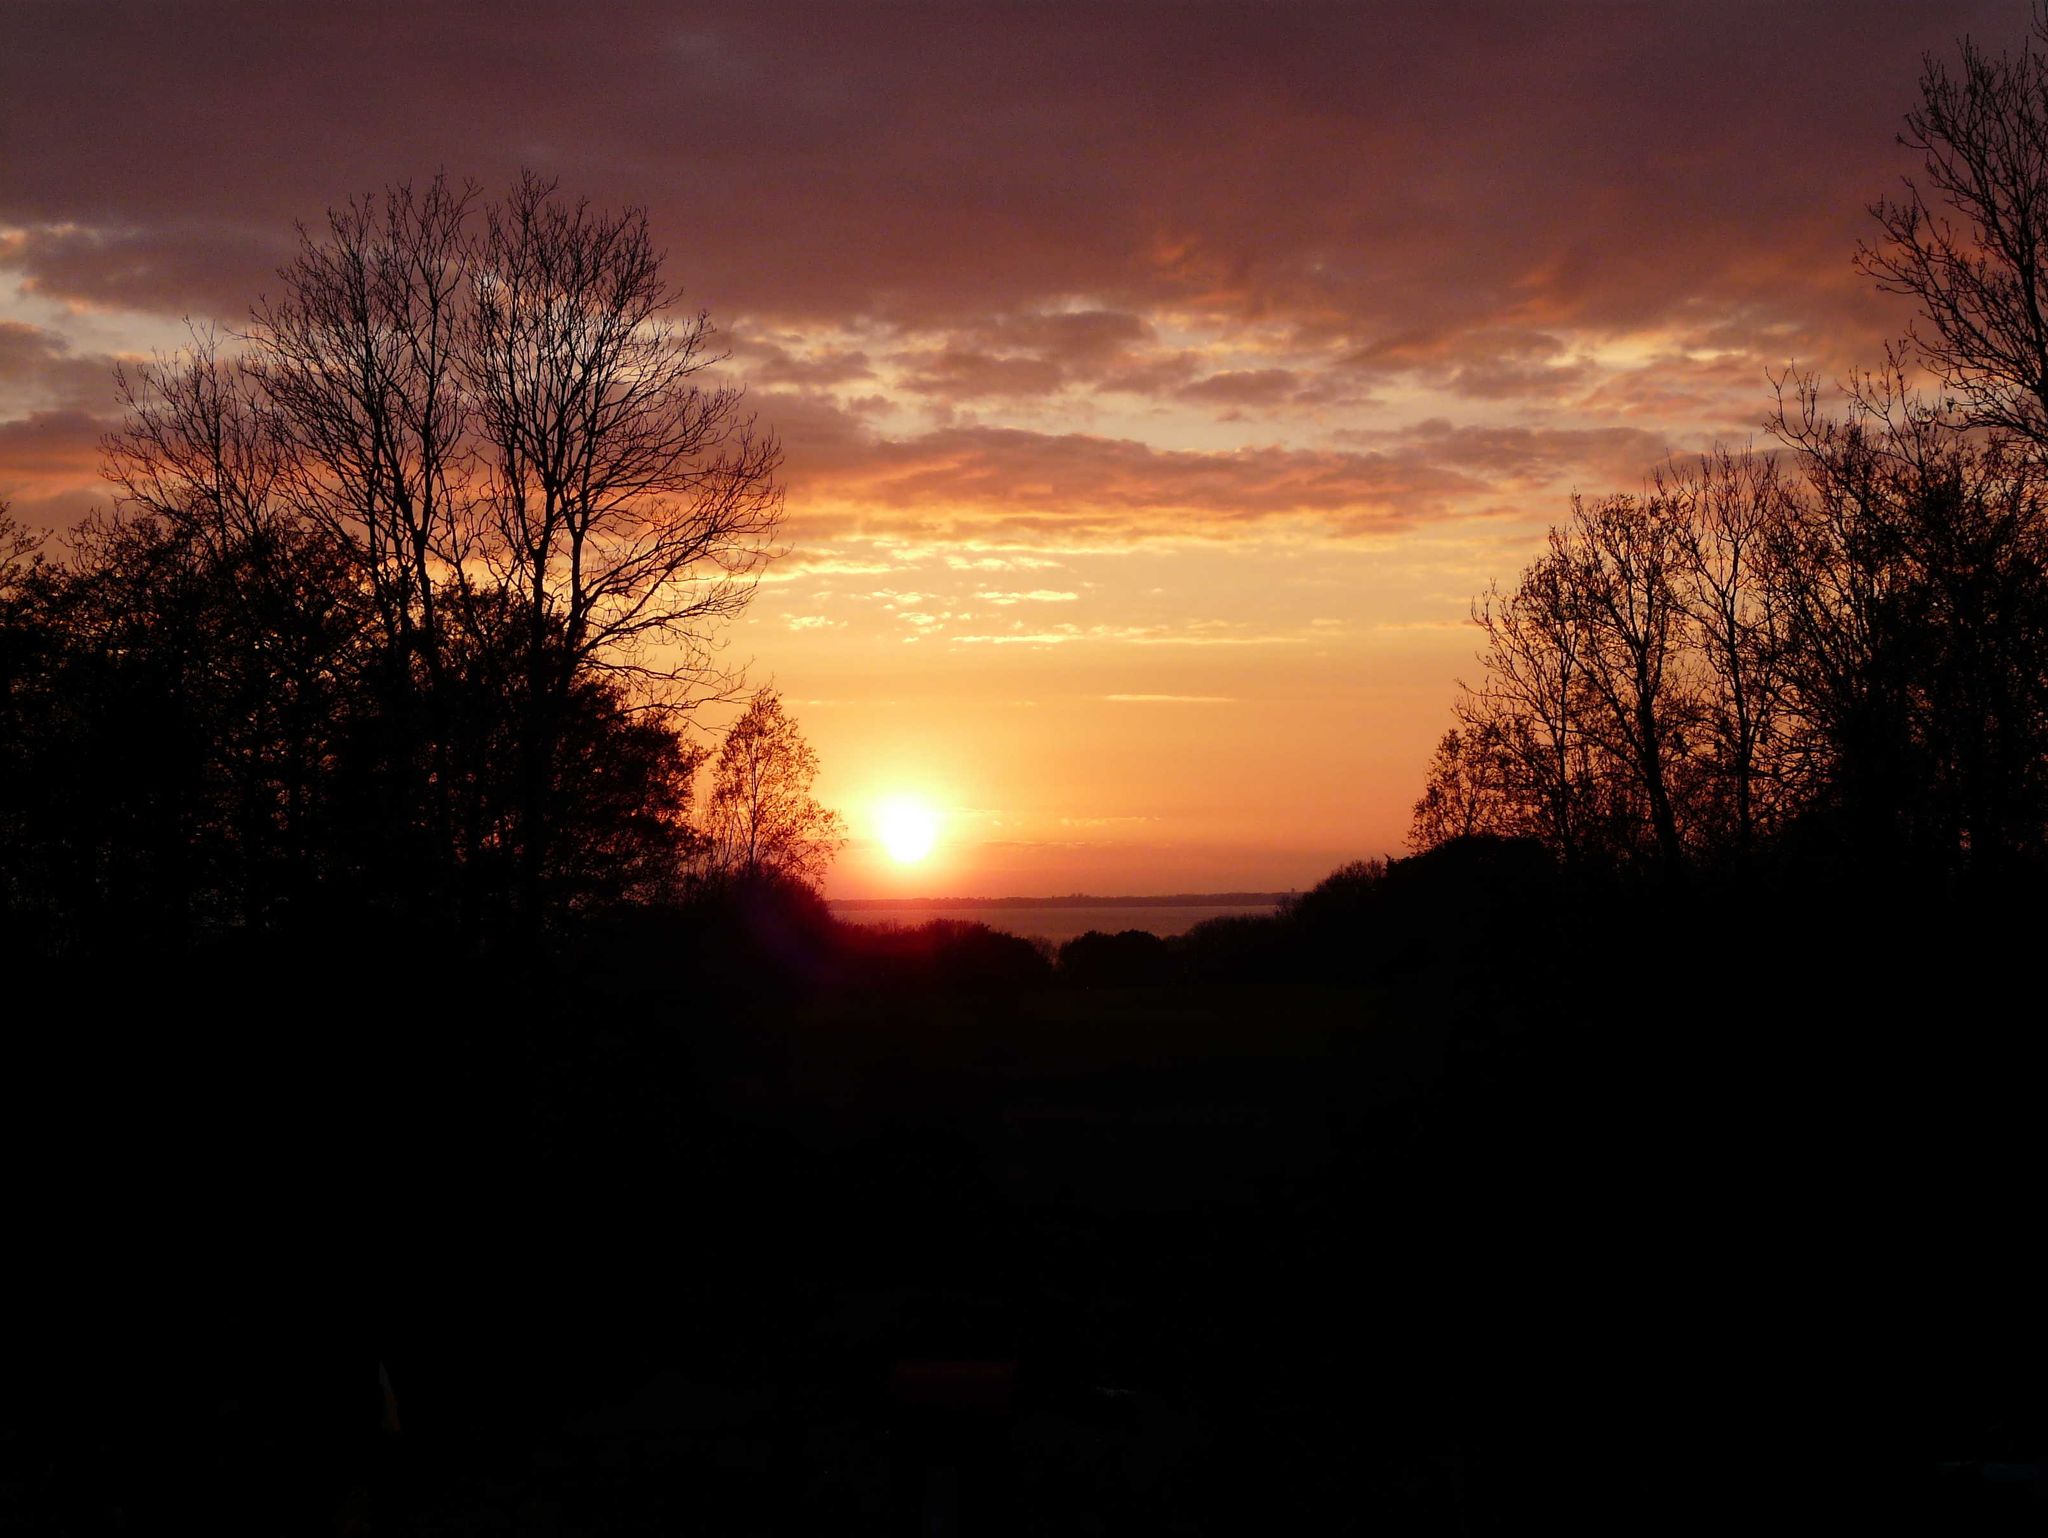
403,604
1832,650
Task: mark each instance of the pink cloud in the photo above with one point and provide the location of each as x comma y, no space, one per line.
1243,387
48,445
972,375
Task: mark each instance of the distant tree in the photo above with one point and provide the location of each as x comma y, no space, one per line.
762,819
1233,948
1132,958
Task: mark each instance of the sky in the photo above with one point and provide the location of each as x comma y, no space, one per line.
1157,384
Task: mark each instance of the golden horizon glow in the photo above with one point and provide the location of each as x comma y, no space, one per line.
907,827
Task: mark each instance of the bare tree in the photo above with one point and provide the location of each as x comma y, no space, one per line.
196,450
1969,242
1623,673
1536,652
1472,785
1729,507
1622,559
626,503
762,818
358,361
623,506
1914,586
1850,645
18,547
492,410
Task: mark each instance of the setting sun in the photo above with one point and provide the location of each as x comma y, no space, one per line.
907,828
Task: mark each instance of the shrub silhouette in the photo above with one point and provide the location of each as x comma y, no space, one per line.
1135,958
944,953
1234,948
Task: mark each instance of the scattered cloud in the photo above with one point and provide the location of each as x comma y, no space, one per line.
972,375
769,364
50,445
1036,595
1243,387
1002,563
1044,210
1126,635
959,481
40,371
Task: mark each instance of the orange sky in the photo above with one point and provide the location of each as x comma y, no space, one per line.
1157,385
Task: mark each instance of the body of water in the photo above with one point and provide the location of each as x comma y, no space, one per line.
1052,921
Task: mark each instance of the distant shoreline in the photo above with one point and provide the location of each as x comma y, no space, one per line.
1074,900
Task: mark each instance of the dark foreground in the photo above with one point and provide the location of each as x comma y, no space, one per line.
1469,1242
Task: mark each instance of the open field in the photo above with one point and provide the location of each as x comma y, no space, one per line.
1443,1250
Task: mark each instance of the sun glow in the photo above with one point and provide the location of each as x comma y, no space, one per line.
907,828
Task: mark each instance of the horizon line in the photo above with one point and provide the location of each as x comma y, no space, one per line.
1076,900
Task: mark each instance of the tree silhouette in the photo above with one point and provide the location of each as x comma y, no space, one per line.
1470,786
1969,243
1853,644
1844,645
1914,592
1727,508
762,819
461,482
25,637
1622,558
1532,703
